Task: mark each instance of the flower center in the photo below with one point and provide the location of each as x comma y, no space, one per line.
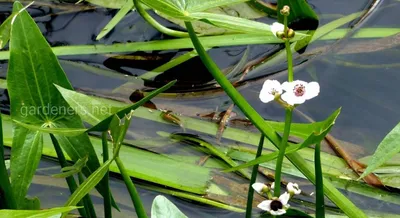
276,205
273,91
299,90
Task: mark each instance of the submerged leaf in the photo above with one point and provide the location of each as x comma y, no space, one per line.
386,150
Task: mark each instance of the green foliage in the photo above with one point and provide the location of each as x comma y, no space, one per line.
35,213
115,4
102,118
341,201
72,170
7,200
32,71
315,137
386,150
127,6
163,208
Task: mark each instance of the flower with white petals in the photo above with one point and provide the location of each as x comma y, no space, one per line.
293,188
297,92
270,89
276,206
260,187
277,27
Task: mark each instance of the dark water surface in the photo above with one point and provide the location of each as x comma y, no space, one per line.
367,91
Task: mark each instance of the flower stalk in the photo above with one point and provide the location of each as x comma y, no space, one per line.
288,111
254,173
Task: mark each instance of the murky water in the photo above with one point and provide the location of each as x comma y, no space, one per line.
365,85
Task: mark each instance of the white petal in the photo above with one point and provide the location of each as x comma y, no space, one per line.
278,212
265,205
258,187
289,86
284,198
273,185
277,27
265,97
291,99
272,84
312,90
293,188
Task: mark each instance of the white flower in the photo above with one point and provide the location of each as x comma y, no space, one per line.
269,90
297,92
260,187
277,27
293,188
276,206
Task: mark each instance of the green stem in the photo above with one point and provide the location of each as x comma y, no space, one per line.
337,197
87,201
107,194
155,24
282,149
254,173
7,200
70,179
137,203
320,201
289,55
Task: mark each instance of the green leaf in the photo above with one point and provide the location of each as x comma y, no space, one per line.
128,6
93,113
71,170
162,208
183,8
115,4
56,131
118,127
315,137
388,147
46,213
7,200
88,184
32,71
26,154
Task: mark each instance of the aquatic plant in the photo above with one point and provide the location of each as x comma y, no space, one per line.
47,117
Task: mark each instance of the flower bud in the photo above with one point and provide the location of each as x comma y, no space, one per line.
290,33
285,10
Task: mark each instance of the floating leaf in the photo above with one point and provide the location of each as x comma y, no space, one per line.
115,4
163,208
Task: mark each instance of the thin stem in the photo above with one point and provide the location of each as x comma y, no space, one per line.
254,173
337,197
70,179
107,194
137,203
288,51
87,201
155,24
320,200
282,149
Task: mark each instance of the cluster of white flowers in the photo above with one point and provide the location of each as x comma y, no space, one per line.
296,92
276,206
